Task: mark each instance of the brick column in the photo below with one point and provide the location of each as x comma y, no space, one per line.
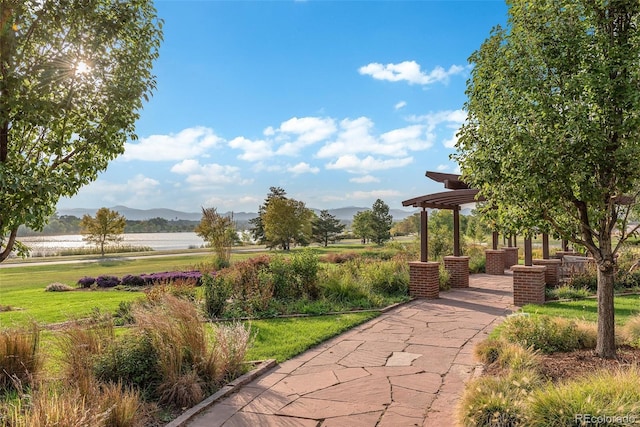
551,273
528,284
458,268
424,279
494,261
510,257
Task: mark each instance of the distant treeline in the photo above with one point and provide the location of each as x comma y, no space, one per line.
67,224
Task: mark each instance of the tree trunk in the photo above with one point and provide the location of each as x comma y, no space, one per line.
102,248
9,246
606,345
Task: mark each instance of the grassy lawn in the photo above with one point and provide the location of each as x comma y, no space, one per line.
587,309
23,288
281,339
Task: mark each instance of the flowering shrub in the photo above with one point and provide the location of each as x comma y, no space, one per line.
143,279
86,282
107,281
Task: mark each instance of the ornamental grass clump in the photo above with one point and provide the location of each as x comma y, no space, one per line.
497,401
20,360
603,398
547,334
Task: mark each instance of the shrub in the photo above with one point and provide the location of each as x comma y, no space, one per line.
544,333
19,357
387,277
444,278
305,269
132,281
107,281
131,360
231,342
217,290
86,282
506,355
631,331
585,280
122,405
123,315
497,401
627,280
477,259
79,344
58,287
569,292
340,285
339,258
605,394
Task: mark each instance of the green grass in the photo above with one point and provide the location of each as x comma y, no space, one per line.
22,288
281,339
587,309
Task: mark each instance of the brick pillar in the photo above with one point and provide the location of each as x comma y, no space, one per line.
494,261
510,257
551,273
458,268
528,284
424,279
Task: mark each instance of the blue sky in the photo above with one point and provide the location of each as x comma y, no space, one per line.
338,102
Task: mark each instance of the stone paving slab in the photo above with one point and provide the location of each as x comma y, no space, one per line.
407,367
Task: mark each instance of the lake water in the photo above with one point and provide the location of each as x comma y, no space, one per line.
43,245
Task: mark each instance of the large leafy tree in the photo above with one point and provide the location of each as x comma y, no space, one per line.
287,221
326,228
257,223
362,225
73,75
552,137
105,228
381,222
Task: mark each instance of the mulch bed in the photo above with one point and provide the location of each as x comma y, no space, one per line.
580,363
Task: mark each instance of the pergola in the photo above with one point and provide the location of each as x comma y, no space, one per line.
459,194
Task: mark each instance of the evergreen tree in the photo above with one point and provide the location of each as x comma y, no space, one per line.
326,228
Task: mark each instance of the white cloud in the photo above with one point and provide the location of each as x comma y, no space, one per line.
375,194
188,143
442,167
306,130
354,164
409,71
252,150
451,142
138,190
303,167
209,174
355,136
400,105
364,179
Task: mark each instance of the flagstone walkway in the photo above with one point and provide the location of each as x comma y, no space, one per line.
406,367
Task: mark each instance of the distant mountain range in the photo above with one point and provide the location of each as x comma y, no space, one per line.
343,214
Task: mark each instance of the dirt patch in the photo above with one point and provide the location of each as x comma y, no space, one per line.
581,363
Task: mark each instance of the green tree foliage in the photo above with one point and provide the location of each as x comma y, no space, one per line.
326,228
552,137
286,221
106,227
257,223
220,232
381,222
362,225
409,225
73,75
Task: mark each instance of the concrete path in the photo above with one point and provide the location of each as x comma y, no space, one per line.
407,367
